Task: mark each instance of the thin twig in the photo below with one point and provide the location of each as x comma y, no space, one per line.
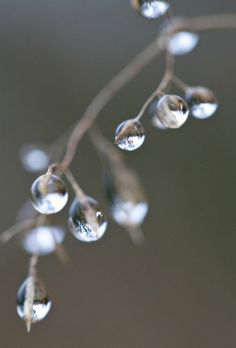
212,22
18,228
30,291
162,86
180,83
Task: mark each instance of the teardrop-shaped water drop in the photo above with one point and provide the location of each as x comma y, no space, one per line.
48,194
129,135
150,9
172,111
41,301
34,158
182,43
86,221
202,102
43,240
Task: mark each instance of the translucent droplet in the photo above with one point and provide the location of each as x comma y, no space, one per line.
42,240
34,158
150,9
127,202
86,222
127,213
129,135
172,111
41,303
182,43
202,102
48,194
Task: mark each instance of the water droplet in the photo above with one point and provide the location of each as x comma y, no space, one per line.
129,135
182,43
202,102
86,222
127,202
150,9
34,158
43,240
41,302
48,194
172,111
127,213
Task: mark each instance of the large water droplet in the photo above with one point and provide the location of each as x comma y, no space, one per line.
48,194
42,240
34,158
129,135
150,9
182,43
41,302
202,102
172,111
86,221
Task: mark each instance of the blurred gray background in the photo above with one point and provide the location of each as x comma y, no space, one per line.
179,289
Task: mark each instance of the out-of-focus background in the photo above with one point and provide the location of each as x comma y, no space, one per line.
178,290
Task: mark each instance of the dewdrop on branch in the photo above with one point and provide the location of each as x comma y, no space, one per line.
127,203
150,9
43,240
172,111
202,101
86,221
129,135
34,158
41,303
182,43
49,194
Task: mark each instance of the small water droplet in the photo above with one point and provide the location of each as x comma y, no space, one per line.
202,102
127,213
41,302
42,240
150,9
86,222
34,158
182,43
48,194
172,111
129,135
